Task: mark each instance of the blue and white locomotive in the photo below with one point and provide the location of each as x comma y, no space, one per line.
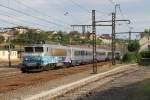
46,56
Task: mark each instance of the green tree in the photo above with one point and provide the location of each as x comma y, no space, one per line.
98,41
65,39
134,46
131,57
57,37
30,38
147,31
2,39
74,37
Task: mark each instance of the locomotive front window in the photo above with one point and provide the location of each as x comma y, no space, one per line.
38,49
28,49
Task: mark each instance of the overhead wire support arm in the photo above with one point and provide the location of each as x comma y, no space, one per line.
115,20
88,25
130,32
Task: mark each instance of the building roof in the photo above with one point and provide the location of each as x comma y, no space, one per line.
106,36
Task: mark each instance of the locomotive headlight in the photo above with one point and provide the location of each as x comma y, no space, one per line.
26,59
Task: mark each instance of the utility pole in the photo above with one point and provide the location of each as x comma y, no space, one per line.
130,36
94,38
94,42
113,38
9,52
113,21
94,24
83,30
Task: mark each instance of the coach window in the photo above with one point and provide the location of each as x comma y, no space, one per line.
38,49
77,53
81,53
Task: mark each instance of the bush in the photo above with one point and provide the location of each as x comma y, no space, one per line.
131,57
145,54
134,46
145,58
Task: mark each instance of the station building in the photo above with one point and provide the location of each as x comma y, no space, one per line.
4,55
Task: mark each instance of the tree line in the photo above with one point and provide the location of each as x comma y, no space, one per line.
64,38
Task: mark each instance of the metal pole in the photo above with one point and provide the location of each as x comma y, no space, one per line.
129,37
113,38
83,30
94,42
9,53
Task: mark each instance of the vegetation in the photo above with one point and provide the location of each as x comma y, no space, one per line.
147,31
1,39
29,38
134,46
145,54
132,56
73,38
145,58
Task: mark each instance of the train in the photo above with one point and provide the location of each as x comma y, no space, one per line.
39,57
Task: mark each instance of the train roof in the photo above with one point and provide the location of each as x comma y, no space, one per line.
67,47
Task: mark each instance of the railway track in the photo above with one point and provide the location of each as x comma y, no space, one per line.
8,72
83,92
11,77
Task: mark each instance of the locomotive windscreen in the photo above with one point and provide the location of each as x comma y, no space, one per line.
38,49
28,49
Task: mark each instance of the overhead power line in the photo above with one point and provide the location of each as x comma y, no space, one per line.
6,21
37,11
121,12
112,2
75,3
123,16
21,20
27,14
85,9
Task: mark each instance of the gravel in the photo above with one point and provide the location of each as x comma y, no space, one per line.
25,85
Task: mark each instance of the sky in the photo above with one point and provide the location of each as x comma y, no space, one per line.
60,14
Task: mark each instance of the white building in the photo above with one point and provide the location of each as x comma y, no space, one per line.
144,42
4,55
106,38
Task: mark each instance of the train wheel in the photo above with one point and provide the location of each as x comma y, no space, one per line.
68,65
73,63
23,70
